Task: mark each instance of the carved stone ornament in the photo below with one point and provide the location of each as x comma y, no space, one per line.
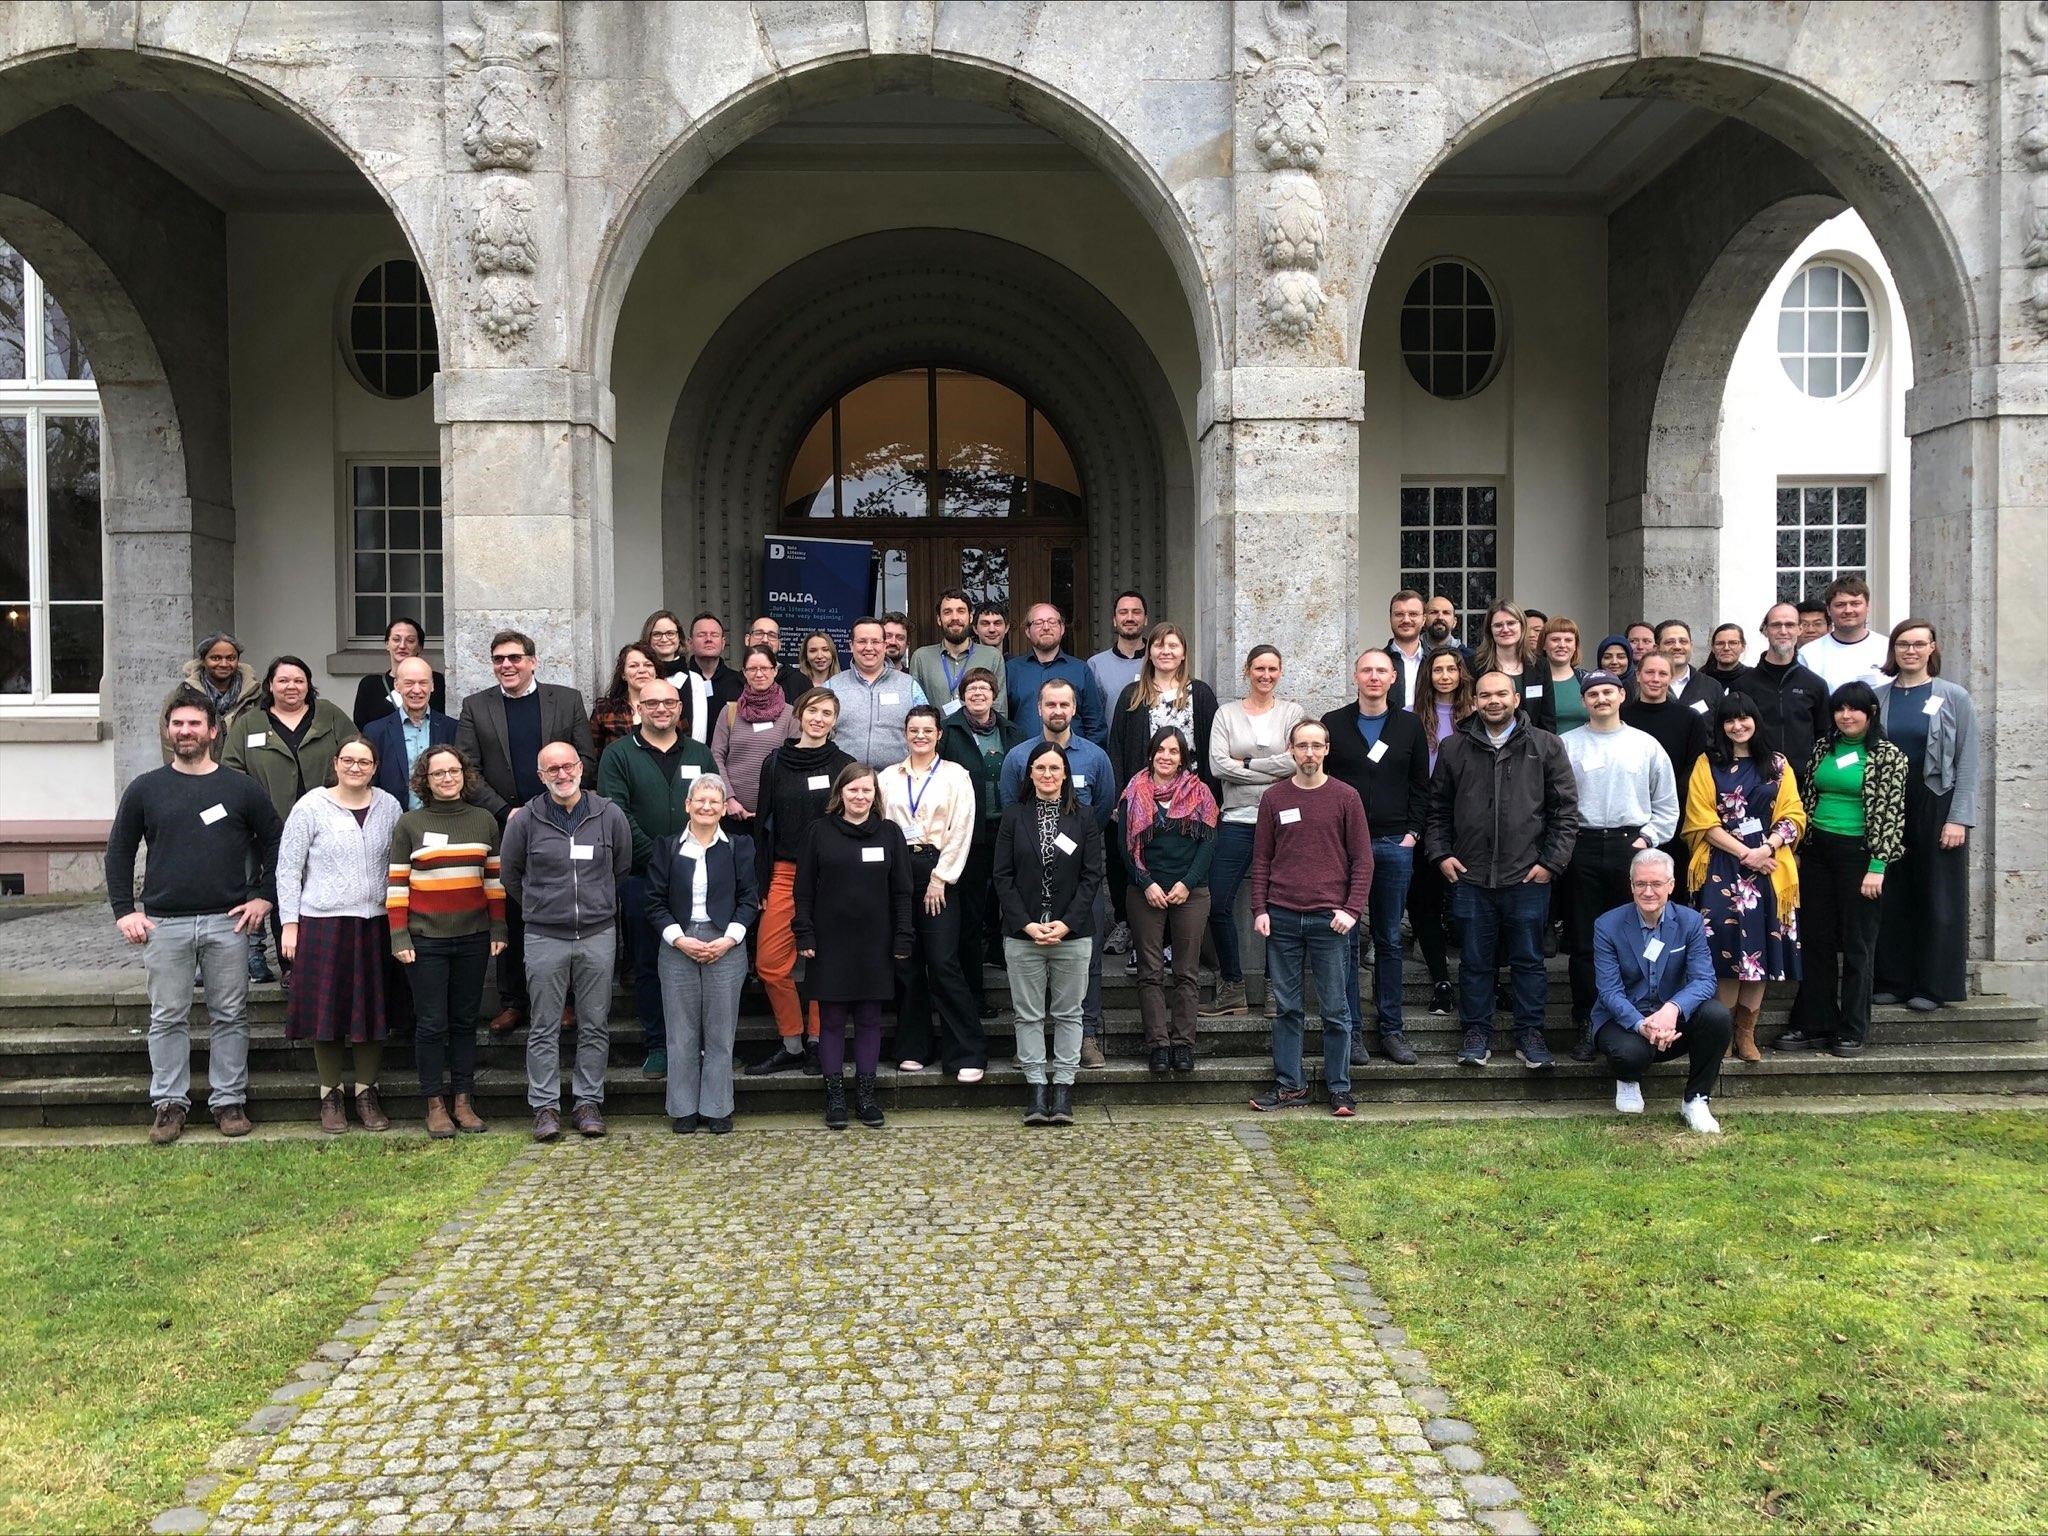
1292,229
2031,149
505,255
1297,37
499,135
1291,301
1296,130
510,63
1293,65
499,36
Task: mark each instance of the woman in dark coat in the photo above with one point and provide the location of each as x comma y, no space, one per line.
852,924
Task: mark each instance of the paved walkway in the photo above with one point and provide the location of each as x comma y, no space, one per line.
929,1330
71,939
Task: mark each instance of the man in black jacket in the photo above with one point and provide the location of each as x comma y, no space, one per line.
1503,818
708,684
1790,697
1378,749
1680,729
1690,686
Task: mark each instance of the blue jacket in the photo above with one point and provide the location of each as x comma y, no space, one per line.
1087,764
1026,674
731,895
1628,986
387,735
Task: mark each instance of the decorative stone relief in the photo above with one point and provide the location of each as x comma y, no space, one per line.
505,255
1292,65
2032,150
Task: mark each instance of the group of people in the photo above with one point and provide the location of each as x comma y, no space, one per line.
867,833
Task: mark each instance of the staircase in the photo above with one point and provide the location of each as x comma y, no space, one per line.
73,1055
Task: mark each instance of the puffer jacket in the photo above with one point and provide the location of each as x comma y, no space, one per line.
1501,811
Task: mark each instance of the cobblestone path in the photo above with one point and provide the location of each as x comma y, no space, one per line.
930,1329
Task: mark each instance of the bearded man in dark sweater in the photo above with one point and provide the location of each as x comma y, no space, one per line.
1790,697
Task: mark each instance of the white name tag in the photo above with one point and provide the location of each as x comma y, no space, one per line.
1699,706
1532,691
1931,707
258,738
1653,949
1848,760
1290,816
433,839
818,781
582,851
691,771
1379,750
1064,843
1749,826
1080,781
952,706
891,699
764,725
873,855
212,814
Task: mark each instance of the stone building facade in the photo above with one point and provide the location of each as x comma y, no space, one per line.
657,240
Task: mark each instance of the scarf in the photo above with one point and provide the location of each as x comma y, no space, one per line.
1190,810
767,704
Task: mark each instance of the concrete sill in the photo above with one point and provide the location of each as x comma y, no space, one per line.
370,663
32,728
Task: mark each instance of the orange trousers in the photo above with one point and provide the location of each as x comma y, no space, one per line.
775,954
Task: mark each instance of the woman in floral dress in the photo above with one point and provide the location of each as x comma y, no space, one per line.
1743,817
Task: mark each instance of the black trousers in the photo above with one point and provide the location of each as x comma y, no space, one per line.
1837,938
972,893
1428,897
512,963
447,986
1702,1040
1597,882
1923,931
931,980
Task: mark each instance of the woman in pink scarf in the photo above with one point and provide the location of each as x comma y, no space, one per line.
1169,821
748,730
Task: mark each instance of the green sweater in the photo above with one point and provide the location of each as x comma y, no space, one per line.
656,801
1174,857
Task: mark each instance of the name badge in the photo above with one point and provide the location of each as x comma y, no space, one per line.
582,851
258,738
952,706
1080,781
873,855
691,771
1698,706
891,699
818,781
433,839
1849,759
1932,706
1533,691
1653,949
1290,816
1749,826
1379,750
764,725
1064,843
1592,762
212,814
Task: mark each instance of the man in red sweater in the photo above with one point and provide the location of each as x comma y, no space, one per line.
1311,876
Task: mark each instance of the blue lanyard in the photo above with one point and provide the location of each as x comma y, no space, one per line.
914,794
952,677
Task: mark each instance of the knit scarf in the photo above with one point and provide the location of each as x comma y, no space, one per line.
1190,810
765,704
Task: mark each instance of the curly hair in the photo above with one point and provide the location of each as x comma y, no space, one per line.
472,776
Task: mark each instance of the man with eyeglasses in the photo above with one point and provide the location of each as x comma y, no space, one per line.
1790,697
400,737
1655,985
502,731
648,774
562,862
765,631
1046,631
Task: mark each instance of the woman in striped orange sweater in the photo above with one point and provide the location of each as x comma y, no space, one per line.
447,913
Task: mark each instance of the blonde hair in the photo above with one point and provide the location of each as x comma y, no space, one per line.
1146,694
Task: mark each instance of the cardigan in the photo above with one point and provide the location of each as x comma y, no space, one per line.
1884,797
1237,734
1130,735
1703,814
946,811
443,879
852,909
1951,761
327,865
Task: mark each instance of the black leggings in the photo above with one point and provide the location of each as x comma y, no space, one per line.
1428,895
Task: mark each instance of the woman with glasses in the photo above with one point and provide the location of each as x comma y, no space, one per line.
331,881
748,731
661,637
1508,649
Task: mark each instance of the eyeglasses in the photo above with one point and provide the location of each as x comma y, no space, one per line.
1650,885
647,704
355,762
666,632
509,659
560,769
444,773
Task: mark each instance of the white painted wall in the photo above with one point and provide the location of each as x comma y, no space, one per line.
1771,431
1539,429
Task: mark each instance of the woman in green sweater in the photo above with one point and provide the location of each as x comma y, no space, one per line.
1855,795
1169,821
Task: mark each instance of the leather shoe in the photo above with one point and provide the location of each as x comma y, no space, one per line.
232,1120
1161,1061
547,1124
169,1126
507,1020
587,1120
467,1120
370,1111
1091,1053
439,1125
333,1112
1183,1058
718,1125
1800,1040
684,1125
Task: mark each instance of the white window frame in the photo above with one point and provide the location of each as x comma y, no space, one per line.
39,400
1815,577
1466,484
353,644
1873,309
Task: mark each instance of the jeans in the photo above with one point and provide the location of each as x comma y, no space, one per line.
1702,1040
179,948
1227,870
556,970
1047,983
701,1004
1494,918
1098,930
1393,868
1596,882
1168,1003
1299,942
446,979
643,957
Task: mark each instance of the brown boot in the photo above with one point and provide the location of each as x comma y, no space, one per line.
439,1126
466,1118
333,1112
1742,1043
369,1110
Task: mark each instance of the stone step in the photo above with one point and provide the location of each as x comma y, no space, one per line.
1989,1070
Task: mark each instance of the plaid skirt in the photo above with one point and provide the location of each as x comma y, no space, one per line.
338,980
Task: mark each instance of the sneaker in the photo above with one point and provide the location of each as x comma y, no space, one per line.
1886,999
1272,1004
1532,1052
1342,1106
1091,1053
1397,1049
656,1064
1131,963
685,1125
1119,939
1477,1050
1277,1097
1361,1054
1921,1004
232,1120
169,1124
1628,1098
910,1064
1694,1112
259,967
780,1059
1160,1061
718,1125
1845,1048
1441,1003
968,1075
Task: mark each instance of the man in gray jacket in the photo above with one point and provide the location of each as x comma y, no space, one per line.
563,859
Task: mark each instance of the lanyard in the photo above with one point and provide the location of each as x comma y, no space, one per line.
946,666
914,792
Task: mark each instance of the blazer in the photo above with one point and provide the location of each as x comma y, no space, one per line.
731,894
1076,874
1951,762
387,734
481,734
373,699
1627,986
1397,696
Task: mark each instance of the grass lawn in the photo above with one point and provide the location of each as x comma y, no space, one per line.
151,1300
1812,1323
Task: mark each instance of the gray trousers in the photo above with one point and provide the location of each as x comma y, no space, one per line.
1047,983
557,970
700,1005
179,948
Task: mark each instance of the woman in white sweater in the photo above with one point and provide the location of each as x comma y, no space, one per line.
1247,752
332,864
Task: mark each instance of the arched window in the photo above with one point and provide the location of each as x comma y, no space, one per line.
1824,331
52,627
393,347
1450,330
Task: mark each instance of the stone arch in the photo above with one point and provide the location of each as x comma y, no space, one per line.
904,297
767,101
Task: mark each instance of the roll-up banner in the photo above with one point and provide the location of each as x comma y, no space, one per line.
816,584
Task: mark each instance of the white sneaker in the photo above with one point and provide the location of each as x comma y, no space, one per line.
968,1075
1628,1098
908,1065
1694,1112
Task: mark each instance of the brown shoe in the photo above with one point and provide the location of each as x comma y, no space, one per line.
467,1119
233,1120
506,1022
587,1120
333,1112
547,1124
369,1110
1091,1053
169,1124
1742,1044
568,1017
439,1126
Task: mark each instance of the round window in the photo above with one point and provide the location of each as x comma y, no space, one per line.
392,344
1824,331
1450,330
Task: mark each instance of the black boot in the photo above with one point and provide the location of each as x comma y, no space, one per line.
1582,1048
1062,1108
835,1102
1035,1112
865,1108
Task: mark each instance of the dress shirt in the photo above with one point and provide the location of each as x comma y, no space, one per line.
945,814
688,847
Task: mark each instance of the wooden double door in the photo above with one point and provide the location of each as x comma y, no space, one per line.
994,563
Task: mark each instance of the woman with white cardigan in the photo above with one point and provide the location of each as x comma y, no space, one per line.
1247,753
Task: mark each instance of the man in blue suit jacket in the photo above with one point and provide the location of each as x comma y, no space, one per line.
401,737
1655,986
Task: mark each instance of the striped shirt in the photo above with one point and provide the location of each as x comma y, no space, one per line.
444,881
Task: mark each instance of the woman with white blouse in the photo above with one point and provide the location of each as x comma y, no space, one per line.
1247,752
933,802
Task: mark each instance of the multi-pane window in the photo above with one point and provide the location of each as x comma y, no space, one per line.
52,618
1823,532
395,534
391,337
1824,331
1450,330
1450,546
